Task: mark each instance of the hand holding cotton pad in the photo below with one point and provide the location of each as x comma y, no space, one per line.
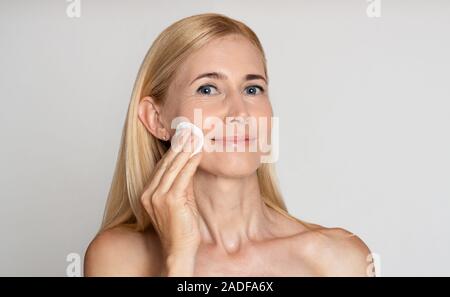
196,131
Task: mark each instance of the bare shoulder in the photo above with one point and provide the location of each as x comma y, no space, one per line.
334,251
122,251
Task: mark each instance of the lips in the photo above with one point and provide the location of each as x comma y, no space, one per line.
234,139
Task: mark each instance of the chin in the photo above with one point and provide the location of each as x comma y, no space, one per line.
233,164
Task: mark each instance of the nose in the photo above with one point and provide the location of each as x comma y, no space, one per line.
237,108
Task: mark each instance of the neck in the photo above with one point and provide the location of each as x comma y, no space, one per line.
231,210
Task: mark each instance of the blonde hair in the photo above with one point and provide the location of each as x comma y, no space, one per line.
140,150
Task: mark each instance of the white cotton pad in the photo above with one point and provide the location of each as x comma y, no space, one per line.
196,130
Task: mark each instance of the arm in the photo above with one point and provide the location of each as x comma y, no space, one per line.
345,254
122,252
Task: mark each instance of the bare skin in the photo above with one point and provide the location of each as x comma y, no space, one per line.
220,226
322,252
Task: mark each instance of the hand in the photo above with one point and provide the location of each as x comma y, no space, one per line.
169,198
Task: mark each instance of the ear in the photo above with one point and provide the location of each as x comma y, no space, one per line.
150,116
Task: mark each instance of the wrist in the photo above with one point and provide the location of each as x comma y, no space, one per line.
180,264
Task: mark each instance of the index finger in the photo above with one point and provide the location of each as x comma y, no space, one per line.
177,143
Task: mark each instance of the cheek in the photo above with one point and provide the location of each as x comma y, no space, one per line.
264,108
198,111
207,116
263,118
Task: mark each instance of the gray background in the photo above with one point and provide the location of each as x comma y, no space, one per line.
363,106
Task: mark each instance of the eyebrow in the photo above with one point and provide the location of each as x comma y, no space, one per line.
218,75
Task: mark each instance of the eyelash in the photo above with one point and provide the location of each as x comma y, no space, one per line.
204,86
261,89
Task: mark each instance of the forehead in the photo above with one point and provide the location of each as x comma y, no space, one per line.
233,55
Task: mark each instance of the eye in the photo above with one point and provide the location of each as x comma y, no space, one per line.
253,90
207,90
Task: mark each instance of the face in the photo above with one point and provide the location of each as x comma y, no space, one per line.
222,88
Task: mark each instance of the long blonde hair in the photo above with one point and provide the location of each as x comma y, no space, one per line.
140,150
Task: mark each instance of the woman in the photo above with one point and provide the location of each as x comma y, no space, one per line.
218,212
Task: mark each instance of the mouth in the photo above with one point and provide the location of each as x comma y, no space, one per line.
233,139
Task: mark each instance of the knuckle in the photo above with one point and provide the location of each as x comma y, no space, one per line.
144,199
154,197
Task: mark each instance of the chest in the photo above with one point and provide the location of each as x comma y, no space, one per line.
274,262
